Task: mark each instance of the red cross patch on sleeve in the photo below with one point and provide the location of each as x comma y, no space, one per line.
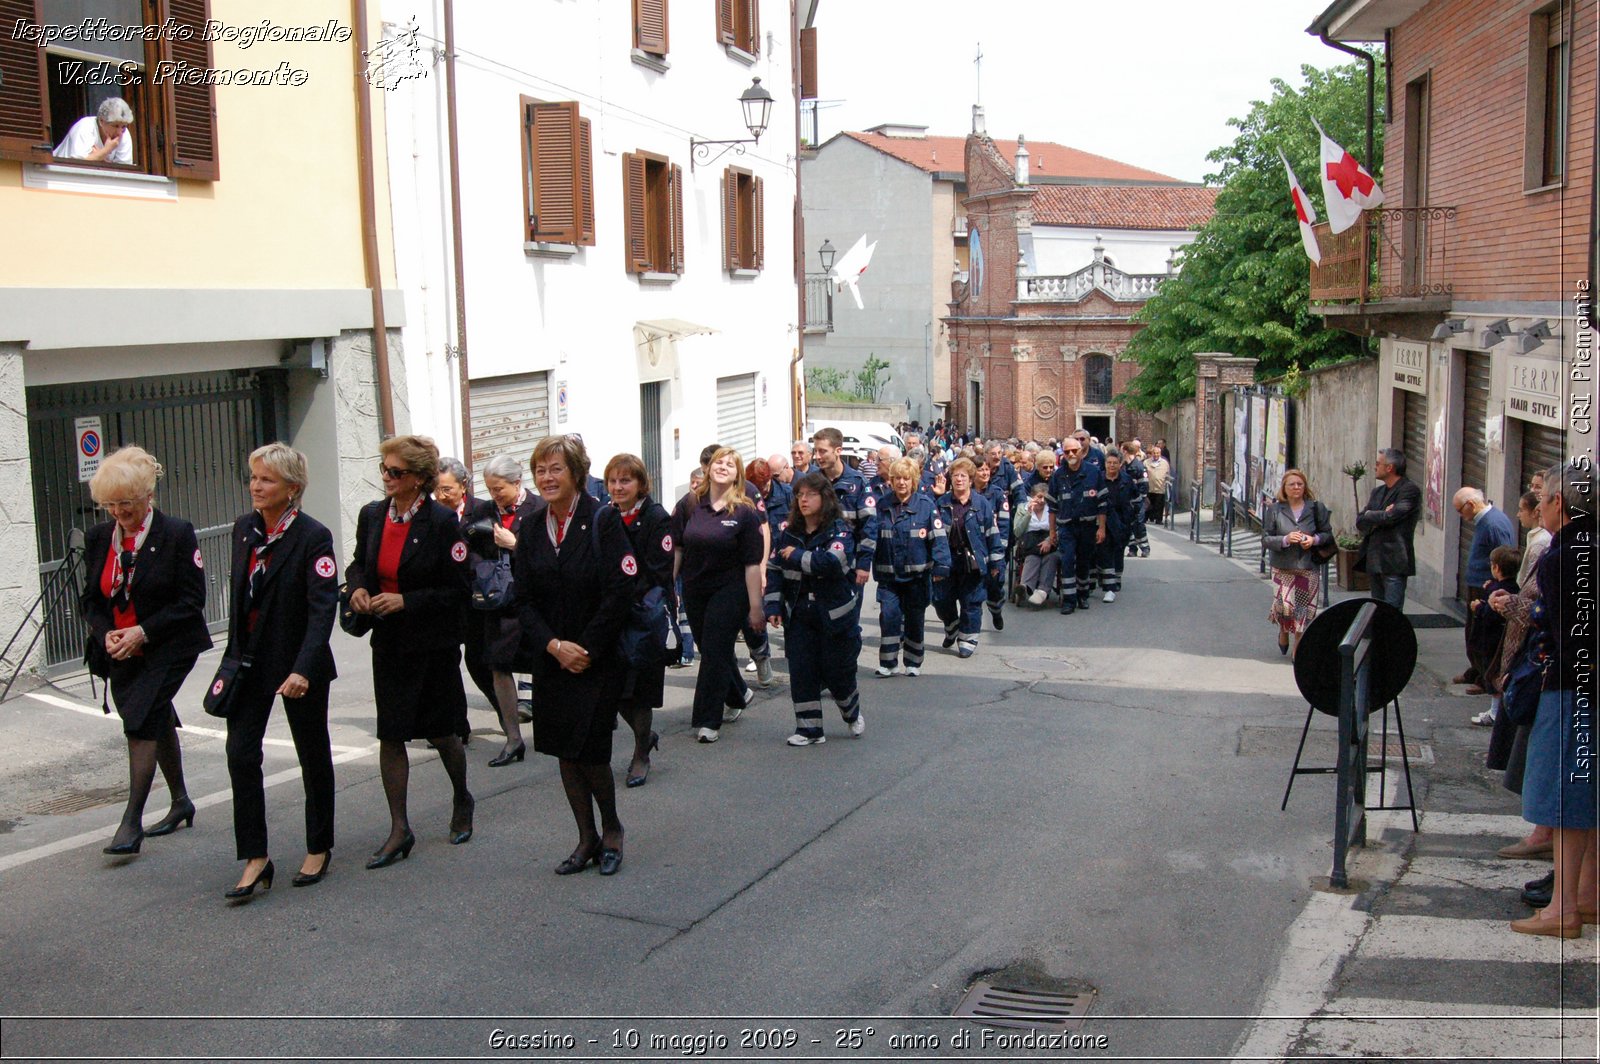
459,551
666,543
629,566
199,562
325,567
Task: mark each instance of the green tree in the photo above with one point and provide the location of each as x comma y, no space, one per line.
1244,286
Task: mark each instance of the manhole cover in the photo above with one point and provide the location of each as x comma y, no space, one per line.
77,801
999,1006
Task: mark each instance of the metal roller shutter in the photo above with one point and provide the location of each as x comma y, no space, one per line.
736,414
1542,447
509,416
1414,439
1474,453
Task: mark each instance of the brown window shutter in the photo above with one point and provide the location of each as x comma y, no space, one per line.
730,219
586,183
752,42
633,221
556,192
650,26
725,21
758,227
24,104
191,109
675,187
808,63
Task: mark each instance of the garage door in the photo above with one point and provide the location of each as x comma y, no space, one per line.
1414,439
1542,447
1474,452
736,414
509,416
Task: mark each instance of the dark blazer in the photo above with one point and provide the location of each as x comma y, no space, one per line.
651,537
167,589
298,603
576,595
434,577
1279,521
1386,544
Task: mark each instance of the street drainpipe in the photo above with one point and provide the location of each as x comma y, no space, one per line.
372,270
463,385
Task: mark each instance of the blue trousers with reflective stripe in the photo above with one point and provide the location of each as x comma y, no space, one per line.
820,661
1109,558
1075,541
902,606
960,607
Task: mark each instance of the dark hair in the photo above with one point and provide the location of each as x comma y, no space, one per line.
818,483
1530,501
707,451
1507,559
1395,457
633,466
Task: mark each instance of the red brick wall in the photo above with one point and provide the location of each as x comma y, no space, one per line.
1505,244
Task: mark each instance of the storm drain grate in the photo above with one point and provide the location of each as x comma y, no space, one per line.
77,801
999,1006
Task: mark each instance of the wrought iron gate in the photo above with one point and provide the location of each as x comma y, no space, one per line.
200,427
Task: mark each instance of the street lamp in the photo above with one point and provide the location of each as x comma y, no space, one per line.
827,254
756,103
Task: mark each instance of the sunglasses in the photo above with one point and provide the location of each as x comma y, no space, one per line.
391,472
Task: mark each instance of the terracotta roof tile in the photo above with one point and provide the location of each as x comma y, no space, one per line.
945,154
1124,206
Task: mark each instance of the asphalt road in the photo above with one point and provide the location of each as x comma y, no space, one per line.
1091,801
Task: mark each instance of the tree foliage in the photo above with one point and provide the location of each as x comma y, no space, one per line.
1244,286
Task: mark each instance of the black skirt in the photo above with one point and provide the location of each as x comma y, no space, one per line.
574,715
143,694
419,695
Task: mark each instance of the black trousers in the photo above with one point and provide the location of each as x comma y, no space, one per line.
716,617
308,725
1158,508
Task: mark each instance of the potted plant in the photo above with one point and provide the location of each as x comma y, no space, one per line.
1349,544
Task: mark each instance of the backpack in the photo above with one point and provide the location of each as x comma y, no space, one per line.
643,640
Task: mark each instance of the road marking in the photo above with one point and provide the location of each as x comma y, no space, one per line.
99,836
1392,1030
209,733
1474,873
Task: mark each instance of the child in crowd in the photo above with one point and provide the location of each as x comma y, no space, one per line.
1489,627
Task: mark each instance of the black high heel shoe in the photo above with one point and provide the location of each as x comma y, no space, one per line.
644,777
384,858
182,812
577,862
610,861
263,880
505,757
125,849
460,835
306,879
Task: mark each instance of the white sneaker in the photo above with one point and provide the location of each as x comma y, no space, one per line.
1109,596
1484,719
750,666
912,670
707,735
1038,597
858,725
805,740
882,672
764,672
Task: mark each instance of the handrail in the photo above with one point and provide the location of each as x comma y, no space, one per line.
63,579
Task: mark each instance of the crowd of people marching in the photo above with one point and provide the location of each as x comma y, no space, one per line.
552,583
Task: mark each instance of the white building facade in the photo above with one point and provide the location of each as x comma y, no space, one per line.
613,282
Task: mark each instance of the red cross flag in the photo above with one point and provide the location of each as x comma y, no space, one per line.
1304,211
1347,187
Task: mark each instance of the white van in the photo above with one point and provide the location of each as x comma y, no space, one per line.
862,437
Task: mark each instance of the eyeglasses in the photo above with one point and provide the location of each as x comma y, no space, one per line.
121,504
389,472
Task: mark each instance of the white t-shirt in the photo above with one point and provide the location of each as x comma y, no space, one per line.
84,137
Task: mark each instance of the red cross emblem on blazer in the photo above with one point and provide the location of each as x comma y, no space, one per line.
629,566
199,562
459,551
325,567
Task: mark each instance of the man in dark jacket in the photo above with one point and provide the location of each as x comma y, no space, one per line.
1491,528
1387,524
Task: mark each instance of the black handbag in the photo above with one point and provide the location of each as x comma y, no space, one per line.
1524,681
356,624
95,657
492,586
219,696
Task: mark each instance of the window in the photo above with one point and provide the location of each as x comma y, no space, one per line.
653,199
739,25
743,231
51,83
1097,380
557,174
1545,133
650,26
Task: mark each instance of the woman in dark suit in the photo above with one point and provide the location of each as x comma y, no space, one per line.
285,594
453,488
410,574
145,608
575,581
647,522
512,506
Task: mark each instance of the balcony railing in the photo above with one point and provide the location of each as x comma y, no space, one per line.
819,303
1392,253
1069,288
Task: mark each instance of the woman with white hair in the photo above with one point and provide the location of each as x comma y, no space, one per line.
145,608
102,136
285,596
514,505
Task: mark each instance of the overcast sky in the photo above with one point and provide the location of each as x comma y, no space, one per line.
1148,82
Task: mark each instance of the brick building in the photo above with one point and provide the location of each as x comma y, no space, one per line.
1478,272
1056,270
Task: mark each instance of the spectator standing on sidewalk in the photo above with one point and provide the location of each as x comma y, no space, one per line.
1293,529
1489,628
1538,538
1388,524
1491,528
1157,472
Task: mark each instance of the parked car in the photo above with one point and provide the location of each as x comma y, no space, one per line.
862,438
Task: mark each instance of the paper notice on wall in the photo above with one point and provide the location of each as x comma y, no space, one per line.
1494,433
91,442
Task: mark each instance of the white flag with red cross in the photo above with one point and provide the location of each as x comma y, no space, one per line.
1347,187
1304,211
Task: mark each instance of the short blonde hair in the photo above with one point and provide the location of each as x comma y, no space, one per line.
962,465
735,496
905,467
419,453
573,455
130,472
287,463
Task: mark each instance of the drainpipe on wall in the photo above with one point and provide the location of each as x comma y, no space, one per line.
1365,57
369,222
797,382
457,244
